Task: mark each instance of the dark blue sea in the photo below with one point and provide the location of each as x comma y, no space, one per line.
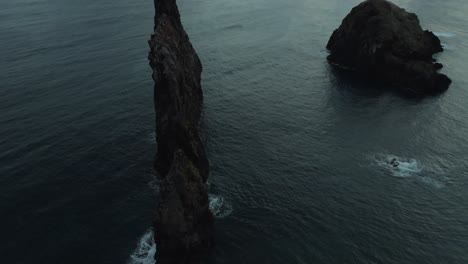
299,157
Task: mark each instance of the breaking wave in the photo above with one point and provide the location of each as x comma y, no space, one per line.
408,167
444,34
399,167
447,47
146,248
219,206
145,251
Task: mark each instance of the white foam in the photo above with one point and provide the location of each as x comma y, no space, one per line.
445,34
219,206
323,54
146,248
145,251
407,168
432,182
446,46
399,167
403,167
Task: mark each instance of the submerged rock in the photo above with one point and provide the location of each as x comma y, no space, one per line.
183,221
379,40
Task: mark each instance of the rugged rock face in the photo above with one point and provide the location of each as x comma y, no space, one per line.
379,40
183,221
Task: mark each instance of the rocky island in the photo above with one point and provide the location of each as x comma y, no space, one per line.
183,221
381,41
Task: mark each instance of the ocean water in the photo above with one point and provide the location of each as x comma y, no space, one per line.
300,158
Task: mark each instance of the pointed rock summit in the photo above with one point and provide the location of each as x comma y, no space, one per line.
183,221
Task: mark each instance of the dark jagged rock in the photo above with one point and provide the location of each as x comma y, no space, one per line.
381,41
183,222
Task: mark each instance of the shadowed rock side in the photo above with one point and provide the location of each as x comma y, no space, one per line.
183,221
379,40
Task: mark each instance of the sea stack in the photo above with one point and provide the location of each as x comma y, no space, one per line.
183,221
381,41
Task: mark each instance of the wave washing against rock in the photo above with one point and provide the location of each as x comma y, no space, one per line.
154,184
145,251
407,167
447,47
398,167
146,248
444,34
219,206
152,137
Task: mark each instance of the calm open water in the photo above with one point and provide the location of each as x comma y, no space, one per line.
299,157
